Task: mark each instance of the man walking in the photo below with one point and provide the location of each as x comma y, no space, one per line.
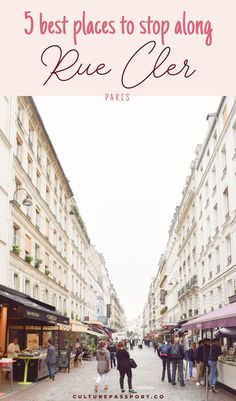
112,350
164,354
177,356
199,362
214,352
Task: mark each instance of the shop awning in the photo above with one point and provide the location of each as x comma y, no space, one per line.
223,317
23,308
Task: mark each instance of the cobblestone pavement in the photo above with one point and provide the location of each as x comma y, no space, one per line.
79,384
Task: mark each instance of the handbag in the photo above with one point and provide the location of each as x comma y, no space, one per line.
133,364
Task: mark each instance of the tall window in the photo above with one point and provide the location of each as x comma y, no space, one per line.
16,282
38,180
55,184
226,203
223,161
37,252
27,287
30,166
55,238
39,152
19,148
16,234
46,261
225,115
217,259
31,136
38,217
228,249
47,228
27,245
48,196
48,168
36,291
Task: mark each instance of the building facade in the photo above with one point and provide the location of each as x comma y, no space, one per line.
45,249
197,272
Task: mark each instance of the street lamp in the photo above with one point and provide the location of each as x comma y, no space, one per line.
171,281
27,201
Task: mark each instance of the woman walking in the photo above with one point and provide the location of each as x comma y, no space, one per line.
103,366
123,365
191,360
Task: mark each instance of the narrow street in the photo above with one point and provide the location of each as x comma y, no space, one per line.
79,384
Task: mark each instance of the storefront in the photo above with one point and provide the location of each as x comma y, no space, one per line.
221,323
32,322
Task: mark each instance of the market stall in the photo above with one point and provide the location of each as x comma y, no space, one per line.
224,320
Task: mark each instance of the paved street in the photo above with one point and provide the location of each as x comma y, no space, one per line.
146,381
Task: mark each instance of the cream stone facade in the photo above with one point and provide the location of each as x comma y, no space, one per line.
197,272
50,256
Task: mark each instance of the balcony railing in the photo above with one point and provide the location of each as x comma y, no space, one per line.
193,282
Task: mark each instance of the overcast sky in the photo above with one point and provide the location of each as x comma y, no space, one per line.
127,163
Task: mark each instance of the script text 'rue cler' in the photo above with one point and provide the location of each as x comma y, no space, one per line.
69,65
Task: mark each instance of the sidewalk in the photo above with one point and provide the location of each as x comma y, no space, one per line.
79,384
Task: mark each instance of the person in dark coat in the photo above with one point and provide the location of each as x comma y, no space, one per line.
164,354
205,354
177,356
214,353
112,350
123,365
51,359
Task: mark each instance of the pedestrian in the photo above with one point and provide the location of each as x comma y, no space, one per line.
205,353
78,350
214,353
123,365
13,348
103,365
199,362
51,359
177,356
191,359
164,354
140,344
132,343
112,350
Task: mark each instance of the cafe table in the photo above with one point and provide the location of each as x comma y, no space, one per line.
8,363
26,362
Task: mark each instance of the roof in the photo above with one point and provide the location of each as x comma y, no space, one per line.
223,317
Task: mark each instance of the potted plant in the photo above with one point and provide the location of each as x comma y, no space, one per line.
38,263
47,271
16,249
28,258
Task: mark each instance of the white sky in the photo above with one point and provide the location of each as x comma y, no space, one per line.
127,163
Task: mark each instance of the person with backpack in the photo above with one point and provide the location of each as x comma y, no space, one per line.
164,354
177,356
214,353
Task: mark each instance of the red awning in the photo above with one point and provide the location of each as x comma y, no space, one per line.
223,317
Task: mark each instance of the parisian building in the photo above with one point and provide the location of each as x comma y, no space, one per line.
197,271
45,249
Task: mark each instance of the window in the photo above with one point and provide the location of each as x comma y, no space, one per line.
38,180
20,113
39,152
228,249
54,269
31,136
214,186
27,287
55,184
37,217
46,297
48,196
36,252
223,161
55,238
54,300
16,282
225,115
19,148
48,168
46,261
55,207
16,234
27,245
30,166
36,291
226,203
60,245
217,259
18,194
47,228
